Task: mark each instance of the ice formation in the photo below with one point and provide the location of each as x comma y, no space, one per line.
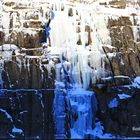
82,107
78,35
77,32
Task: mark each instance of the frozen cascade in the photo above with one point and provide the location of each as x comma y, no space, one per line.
77,31
81,48
74,111
82,106
60,114
80,63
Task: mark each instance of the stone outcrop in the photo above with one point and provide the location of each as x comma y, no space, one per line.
30,74
127,61
31,111
119,109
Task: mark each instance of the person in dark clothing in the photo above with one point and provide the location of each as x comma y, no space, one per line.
44,35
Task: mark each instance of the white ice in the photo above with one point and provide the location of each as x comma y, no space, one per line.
124,96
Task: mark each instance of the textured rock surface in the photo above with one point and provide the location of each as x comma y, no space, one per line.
123,116
27,73
30,110
126,47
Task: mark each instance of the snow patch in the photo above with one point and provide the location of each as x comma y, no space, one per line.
136,82
113,103
124,96
16,130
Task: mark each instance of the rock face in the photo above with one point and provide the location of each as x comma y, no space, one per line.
125,37
30,111
27,73
46,114
119,109
20,24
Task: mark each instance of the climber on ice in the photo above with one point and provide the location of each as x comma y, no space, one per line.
47,26
45,34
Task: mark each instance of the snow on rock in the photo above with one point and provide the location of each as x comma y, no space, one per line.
78,33
6,51
79,43
79,30
113,103
98,132
16,130
8,47
124,96
136,82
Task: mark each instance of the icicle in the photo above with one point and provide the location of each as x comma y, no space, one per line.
85,64
28,64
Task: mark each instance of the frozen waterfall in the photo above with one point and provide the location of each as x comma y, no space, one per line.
75,34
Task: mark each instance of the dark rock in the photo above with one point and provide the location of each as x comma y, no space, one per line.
120,120
30,110
70,12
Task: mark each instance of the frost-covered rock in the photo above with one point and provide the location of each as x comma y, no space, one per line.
7,50
26,113
119,108
124,96
88,41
